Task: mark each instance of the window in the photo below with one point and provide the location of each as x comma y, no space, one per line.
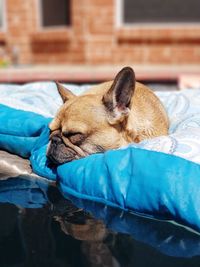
160,11
2,14
55,13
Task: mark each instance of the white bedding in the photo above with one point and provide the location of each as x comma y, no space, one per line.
183,108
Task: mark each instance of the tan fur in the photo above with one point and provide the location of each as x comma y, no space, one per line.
147,118
86,114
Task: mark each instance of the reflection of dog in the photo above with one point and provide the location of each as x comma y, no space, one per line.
90,230
75,221
93,235
108,116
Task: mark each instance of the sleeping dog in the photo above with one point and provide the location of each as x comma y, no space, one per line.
108,116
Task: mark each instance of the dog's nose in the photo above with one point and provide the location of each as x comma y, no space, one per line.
56,139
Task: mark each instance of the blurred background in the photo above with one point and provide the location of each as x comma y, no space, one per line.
90,40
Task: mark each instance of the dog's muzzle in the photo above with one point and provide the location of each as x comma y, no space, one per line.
58,153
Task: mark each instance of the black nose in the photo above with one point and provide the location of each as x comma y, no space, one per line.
54,150
56,139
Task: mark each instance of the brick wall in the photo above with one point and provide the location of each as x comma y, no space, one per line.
94,38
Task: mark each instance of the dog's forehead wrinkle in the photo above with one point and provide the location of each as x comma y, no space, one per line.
71,127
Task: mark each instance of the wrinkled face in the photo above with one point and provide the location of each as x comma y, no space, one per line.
82,129
87,124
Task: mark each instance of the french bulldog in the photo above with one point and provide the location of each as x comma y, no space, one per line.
107,116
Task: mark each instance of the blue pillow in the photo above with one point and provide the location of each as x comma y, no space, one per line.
152,183
20,130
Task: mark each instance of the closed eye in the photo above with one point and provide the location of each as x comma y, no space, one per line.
75,138
69,134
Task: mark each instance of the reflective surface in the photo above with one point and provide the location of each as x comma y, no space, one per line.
39,227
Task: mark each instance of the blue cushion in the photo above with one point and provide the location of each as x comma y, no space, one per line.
20,130
146,182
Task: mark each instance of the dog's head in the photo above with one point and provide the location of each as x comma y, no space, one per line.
92,122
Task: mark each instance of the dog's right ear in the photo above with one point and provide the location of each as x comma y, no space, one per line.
117,99
64,92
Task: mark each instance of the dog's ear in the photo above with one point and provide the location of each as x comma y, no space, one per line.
64,92
118,98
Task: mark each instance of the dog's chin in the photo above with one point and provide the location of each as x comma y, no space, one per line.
58,159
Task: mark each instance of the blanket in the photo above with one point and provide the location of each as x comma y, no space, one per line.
157,178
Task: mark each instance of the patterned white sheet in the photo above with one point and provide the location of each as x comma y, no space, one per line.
183,108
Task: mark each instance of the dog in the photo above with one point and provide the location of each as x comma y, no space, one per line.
108,116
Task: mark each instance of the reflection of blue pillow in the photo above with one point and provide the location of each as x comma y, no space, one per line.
163,236
23,192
